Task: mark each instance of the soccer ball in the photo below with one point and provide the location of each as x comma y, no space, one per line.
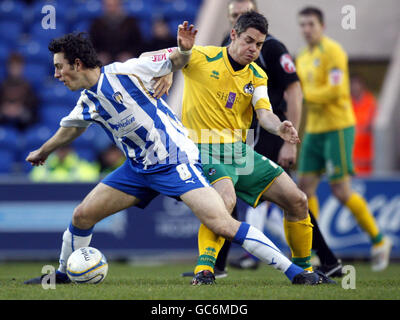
87,265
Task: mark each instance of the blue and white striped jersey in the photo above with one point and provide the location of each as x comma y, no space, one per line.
144,128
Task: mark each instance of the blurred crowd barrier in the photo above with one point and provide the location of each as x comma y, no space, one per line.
167,226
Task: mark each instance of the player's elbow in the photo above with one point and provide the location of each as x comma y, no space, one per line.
178,60
262,114
178,64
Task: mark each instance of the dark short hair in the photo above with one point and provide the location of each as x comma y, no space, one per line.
76,45
251,19
313,11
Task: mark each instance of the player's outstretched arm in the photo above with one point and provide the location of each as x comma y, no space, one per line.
270,122
63,136
186,37
179,57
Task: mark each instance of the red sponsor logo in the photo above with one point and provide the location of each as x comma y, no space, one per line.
159,57
287,63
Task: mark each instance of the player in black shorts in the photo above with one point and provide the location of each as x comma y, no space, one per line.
286,98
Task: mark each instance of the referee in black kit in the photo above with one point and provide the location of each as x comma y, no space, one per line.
286,97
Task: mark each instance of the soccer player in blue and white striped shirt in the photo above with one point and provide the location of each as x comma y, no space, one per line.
160,156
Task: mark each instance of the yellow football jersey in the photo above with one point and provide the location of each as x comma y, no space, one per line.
324,76
218,102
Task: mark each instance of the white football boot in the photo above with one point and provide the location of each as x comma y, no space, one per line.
380,255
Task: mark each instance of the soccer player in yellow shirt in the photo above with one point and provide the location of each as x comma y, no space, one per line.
329,134
222,87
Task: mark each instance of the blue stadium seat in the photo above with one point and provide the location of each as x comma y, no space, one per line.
98,138
145,26
143,9
180,10
50,115
84,11
36,136
36,73
197,3
2,72
87,139
9,138
86,154
7,161
81,26
93,138
53,92
33,139
10,10
44,36
35,52
4,52
10,143
173,25
10,32
34,11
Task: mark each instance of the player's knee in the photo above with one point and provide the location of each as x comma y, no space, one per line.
340,193
299,205
81,218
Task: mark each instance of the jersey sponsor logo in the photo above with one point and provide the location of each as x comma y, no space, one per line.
118,97
122,124
159,57
231,100
287,63
335,77
317,62
249,88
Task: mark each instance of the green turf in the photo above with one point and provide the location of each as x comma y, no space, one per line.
125,281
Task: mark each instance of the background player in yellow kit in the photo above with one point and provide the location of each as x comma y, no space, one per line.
222,87
329,134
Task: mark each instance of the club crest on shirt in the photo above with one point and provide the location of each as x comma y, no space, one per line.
335,76
212,171
249,88
118,97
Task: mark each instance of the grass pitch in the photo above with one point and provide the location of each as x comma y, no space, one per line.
163,282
